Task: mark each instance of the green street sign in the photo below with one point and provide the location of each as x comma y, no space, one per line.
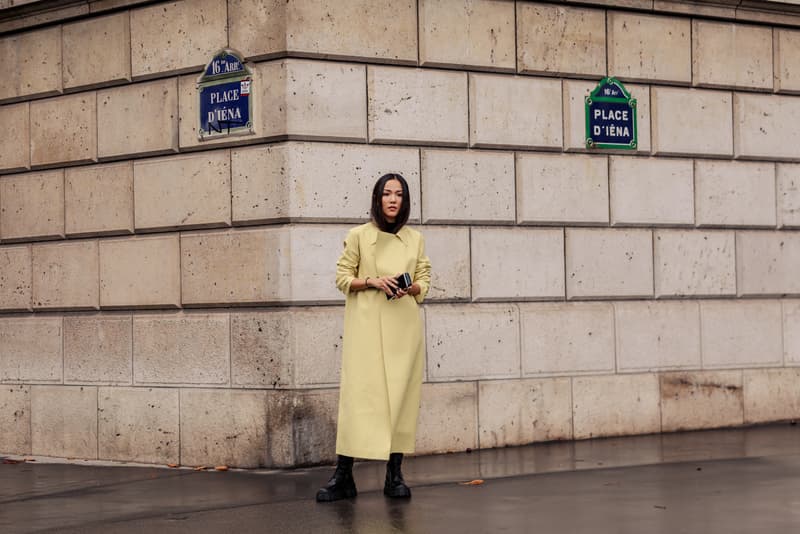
611,117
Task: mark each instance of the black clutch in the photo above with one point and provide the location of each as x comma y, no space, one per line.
403,282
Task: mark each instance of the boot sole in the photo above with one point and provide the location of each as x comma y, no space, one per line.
403,493
338,496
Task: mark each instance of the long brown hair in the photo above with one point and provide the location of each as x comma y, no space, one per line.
376,210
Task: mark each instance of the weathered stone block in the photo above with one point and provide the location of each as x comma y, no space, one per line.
731,55
741,333
771,395
448,248
448,418
694,263
767,263
15,150
97,51
65,275
477,33
472,341
786,45
459,186
98,349
417,106
183,191
325,100
555,39
302,427
261,349
181,348
139,119
651,191
64,421
791,331
497,119
36,59
235,267
354,29
323,182
176,36
317,335
31,349
260,179
223,427
32,206
652,336
140,272
98,199
567,339
258,28
709,113
562,189
15,419
615,405
15,278
530,263
609,263
696,400
788,184
139,425
765,126
519,412
314,250
649,47
732,193
575,115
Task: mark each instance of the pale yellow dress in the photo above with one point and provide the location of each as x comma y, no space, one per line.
383,353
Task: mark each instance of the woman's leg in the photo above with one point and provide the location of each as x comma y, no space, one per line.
395,486
342,485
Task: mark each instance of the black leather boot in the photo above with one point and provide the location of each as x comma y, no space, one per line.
342,485
395,486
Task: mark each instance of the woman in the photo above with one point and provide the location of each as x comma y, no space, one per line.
383,352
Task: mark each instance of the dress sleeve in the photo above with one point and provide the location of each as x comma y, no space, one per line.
422,274
347,266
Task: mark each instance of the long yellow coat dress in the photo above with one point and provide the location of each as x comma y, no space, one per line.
383,353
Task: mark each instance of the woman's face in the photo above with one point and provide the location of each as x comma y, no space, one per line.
392,199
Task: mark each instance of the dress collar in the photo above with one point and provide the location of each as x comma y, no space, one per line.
403,234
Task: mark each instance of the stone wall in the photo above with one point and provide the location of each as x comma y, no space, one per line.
168,300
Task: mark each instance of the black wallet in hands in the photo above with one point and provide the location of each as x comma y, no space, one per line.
403,282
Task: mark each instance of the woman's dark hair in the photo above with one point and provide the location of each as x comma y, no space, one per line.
376,210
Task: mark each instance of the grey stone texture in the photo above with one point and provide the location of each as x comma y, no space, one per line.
190,349
64,421
139,424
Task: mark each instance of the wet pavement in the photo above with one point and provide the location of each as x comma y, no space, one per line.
722,481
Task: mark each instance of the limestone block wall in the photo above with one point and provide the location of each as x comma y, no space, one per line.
168,300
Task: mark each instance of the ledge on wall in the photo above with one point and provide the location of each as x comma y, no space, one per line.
22,14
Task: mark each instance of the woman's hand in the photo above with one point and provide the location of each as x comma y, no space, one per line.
386,284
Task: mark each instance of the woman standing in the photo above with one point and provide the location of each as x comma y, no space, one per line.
383,352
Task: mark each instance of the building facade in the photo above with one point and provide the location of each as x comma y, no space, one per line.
166,299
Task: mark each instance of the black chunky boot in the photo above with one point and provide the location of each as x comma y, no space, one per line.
342,485
395,486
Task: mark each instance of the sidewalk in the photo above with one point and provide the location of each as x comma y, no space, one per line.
724,481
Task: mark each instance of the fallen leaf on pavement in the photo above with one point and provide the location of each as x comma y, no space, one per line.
476,482
200,468
172,465
221,468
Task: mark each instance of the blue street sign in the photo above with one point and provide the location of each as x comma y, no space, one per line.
225,107
223,93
